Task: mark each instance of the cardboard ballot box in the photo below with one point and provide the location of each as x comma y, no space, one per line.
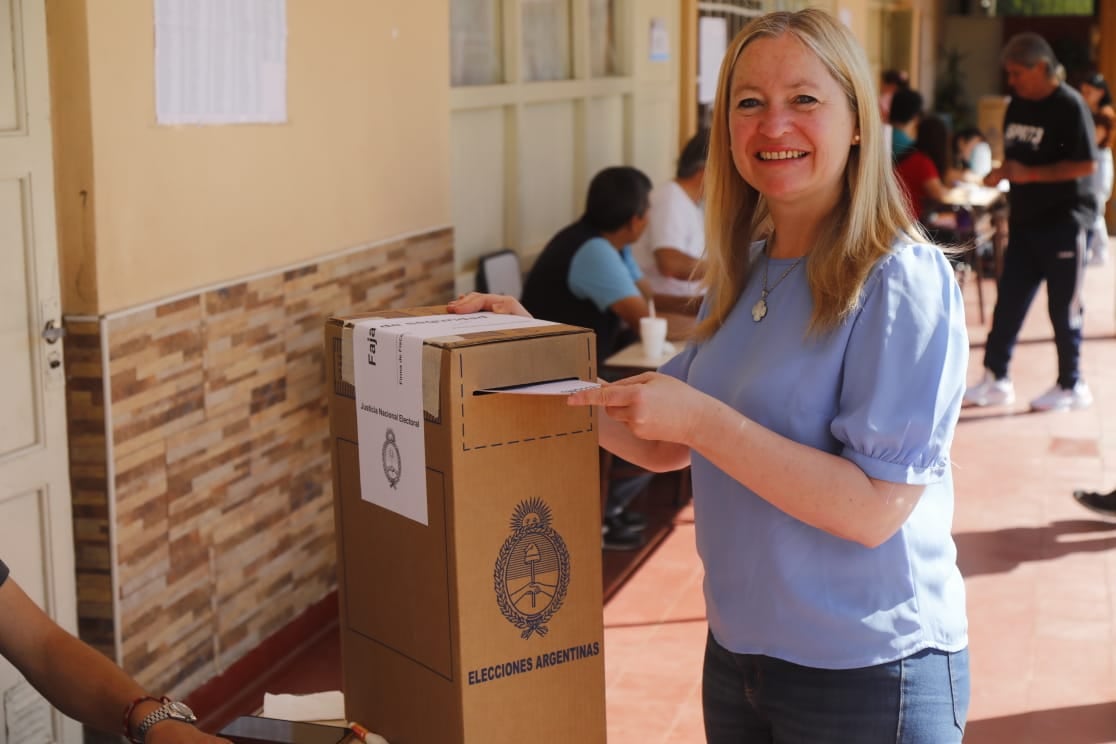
470,583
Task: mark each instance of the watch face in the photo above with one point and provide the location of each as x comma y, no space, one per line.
181,711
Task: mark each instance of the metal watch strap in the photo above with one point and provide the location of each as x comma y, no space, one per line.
171,710
127,728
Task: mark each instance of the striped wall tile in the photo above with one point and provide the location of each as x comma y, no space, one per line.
222,491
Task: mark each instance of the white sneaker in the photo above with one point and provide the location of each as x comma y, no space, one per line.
1097,258
990,392
1058,398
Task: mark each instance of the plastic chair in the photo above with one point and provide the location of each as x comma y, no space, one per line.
499,273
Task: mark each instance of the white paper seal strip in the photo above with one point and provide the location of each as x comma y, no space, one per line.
387,377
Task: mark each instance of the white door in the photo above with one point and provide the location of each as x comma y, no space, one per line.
35,521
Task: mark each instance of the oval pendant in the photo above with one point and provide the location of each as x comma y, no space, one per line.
759,310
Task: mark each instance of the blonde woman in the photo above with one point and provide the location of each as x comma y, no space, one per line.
816,406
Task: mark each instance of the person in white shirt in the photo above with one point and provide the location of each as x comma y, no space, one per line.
1094,89
1096,248
670,250
972,157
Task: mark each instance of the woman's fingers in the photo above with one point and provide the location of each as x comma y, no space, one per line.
593,397
467,303
509,306
475,302
609,395
623,392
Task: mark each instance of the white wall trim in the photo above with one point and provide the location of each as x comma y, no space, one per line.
465,98
110,495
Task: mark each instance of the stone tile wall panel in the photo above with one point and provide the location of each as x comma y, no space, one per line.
223,504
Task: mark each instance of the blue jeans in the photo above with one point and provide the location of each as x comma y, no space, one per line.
749,699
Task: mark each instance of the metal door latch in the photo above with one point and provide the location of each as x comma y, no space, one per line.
52,333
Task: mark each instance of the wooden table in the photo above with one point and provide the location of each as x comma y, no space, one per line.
633,357
973,195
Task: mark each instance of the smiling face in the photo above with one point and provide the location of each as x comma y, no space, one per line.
790,125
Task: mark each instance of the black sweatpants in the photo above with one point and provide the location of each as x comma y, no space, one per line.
1056,253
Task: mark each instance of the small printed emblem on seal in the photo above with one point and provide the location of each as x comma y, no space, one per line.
533,570
393,463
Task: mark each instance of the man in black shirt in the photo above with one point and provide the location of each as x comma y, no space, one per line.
1049,156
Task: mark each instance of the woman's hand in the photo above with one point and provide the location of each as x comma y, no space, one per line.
652,406
476,302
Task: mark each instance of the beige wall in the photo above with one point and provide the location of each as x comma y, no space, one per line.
363,157
73,154
654,126
523,153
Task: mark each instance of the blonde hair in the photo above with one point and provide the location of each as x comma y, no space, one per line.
870,215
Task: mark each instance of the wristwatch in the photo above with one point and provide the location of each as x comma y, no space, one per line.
171,710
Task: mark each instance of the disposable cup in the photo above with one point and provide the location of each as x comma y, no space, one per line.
653,331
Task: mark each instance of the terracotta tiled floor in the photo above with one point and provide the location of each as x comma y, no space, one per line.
1040,571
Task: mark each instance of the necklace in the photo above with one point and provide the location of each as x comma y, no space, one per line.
759,310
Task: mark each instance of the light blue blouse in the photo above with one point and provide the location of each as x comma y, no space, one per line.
883,390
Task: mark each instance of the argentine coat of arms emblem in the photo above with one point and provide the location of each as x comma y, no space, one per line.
533,569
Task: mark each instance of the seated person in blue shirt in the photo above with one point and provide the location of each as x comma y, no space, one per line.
816,406
586,276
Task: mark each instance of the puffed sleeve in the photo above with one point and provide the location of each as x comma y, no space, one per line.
904,371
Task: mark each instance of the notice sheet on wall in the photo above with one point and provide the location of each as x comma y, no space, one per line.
659,41
220,61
